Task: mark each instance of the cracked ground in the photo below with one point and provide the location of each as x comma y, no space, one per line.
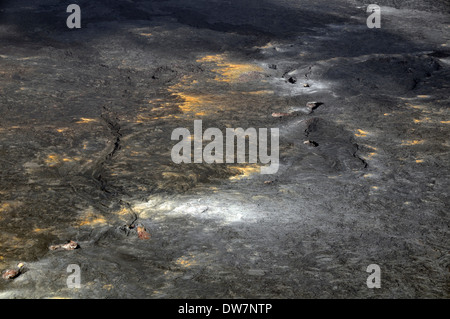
86,117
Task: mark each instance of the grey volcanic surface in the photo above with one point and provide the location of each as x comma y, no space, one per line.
86,117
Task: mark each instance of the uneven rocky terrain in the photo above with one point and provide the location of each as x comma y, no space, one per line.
86,117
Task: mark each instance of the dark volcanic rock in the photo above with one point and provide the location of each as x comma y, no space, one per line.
87,115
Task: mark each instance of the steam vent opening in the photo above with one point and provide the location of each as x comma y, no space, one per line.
224,149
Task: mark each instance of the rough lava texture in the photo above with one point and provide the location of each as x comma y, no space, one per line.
86,117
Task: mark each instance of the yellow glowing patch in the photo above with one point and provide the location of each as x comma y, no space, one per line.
122,212
211,58
155,100
86,120
6,207
186,261
412,142
245,171
445,122
92,219
52,159
195,103
229,71
108,287
145,34
232,72
371,147
60,130
361,133
374,187
426,119
261,92
423,96
417,107
419,161
141,118
191,102
40,230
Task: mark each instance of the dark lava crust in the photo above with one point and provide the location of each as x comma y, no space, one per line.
86,117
